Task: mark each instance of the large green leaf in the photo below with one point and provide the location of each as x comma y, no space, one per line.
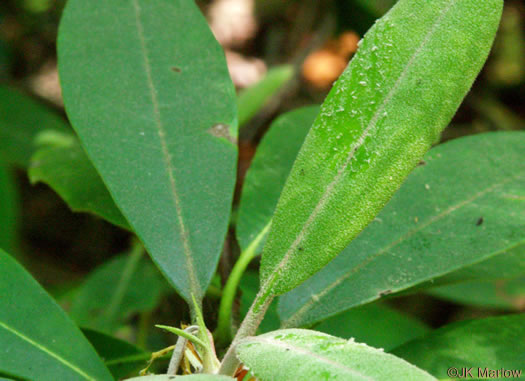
64,166
296,354
400,90
465,205
147,89
252,99
492,343
507,294
390,329
268,172
37,339
8,211
21,119
121,358
125,285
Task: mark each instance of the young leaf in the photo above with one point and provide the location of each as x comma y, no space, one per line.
390,329
252,99
37,339
121,358
268,172
308,355
446,216
506,294
147,89
65,167
492,343
8,211
117,289
400,90
22,118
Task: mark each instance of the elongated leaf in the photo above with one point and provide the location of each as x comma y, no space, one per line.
252,99
21,119
8,211
507,294
37,339
492,343
448,215
297,354
117,289
268,172
121,358
193,377
400,90
389,330
147,89
249,286
65,167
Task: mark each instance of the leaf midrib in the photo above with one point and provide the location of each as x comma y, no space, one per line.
326,196
183,232
316,298
46,351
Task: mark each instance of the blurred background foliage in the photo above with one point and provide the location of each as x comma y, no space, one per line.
282,54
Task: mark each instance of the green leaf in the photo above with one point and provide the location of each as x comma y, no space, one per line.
268,172
8,211
37,339
431,227
22,118
147,89
252,99
121,358
193,377
65,167
390,329
492,343
297,354
119,288
401,89
507,294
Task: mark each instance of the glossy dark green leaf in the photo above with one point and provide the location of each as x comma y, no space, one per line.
119,288
37,339
21,119
268,171
464,206
492,343
401,89
8,211
390,328
507,294
252,99
147,89
296,354
122,358
65,167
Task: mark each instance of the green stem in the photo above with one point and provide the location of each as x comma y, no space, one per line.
129,269
223,333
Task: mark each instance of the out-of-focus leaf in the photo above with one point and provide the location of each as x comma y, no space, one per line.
8,211
492,343
268,171
390,328
252,99
147,89
64,166
296,354
121,358
464,206
37,339
401,89
508,294
117,289
21,119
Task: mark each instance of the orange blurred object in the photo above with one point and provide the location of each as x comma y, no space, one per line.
322,67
